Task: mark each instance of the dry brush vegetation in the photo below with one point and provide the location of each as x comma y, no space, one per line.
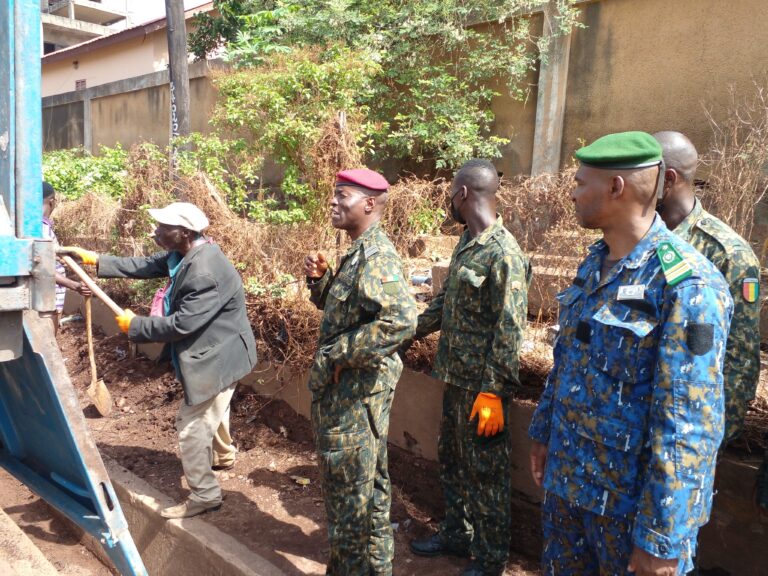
538,211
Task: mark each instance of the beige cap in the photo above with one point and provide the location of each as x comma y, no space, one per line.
181,214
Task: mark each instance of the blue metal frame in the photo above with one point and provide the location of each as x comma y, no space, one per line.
44,439
20,134
29,121
7,109
45,443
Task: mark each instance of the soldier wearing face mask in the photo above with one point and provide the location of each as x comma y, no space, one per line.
481,313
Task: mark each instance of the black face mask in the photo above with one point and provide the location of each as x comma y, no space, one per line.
455,212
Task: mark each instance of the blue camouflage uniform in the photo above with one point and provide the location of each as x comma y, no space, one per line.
632,412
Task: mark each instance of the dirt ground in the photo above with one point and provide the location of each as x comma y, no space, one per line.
53,535
269,506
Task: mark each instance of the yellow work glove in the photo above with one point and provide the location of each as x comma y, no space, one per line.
490,415
85,256
124,320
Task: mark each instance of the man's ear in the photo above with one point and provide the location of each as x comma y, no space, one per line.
370,204
670,178
617,186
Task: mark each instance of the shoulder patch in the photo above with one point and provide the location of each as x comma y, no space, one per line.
699,337
675,267
371,251
391,284
750,289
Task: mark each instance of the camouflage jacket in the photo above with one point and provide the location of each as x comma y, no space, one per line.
632,411
368,314
481,313
733,256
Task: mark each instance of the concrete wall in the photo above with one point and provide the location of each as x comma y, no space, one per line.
516,120
126,112
114,118
651,65
63,126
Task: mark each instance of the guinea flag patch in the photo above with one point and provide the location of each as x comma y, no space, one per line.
750,289
390,283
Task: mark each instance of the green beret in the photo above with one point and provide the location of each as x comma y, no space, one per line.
622,151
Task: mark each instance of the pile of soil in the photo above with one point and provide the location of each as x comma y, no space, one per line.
269,506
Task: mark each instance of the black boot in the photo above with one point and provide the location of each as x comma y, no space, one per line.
435,545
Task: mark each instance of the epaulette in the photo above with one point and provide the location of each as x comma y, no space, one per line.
720,232
675,266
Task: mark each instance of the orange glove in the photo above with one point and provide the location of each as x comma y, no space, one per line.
124,320
490,414
85,256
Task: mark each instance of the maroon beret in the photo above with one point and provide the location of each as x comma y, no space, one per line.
364,178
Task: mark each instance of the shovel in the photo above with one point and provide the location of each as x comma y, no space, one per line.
92,285
97,390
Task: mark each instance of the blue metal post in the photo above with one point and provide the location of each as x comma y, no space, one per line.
29,123
7,113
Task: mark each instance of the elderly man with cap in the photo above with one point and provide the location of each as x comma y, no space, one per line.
368,313
207,335
481,314
626,433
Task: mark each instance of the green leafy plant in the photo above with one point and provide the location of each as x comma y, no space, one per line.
408,80
276,289
74,172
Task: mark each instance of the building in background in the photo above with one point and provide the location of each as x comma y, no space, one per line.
70,22
113,89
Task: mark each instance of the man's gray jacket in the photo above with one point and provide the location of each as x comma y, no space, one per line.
207,327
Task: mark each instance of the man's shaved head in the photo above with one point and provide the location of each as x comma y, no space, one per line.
479,176
679,153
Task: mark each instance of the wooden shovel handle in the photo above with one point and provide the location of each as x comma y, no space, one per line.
92,285
89,335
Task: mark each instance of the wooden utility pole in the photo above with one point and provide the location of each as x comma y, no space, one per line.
178,71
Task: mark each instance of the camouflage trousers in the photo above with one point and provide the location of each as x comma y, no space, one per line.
351,436
475,476
581,543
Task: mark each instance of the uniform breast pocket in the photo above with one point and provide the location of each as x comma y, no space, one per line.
471,281
567,301
623,343
341,288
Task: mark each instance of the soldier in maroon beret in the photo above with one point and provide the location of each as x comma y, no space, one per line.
367,315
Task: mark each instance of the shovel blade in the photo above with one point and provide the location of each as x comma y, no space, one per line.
100,396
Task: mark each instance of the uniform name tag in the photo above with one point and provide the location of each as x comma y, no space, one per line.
631,292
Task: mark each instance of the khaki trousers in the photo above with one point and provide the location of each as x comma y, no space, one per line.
204,441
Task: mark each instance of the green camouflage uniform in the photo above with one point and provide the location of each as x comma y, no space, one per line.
736,261
368,315
481,313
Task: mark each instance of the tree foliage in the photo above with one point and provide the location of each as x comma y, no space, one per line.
74,172
415,79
